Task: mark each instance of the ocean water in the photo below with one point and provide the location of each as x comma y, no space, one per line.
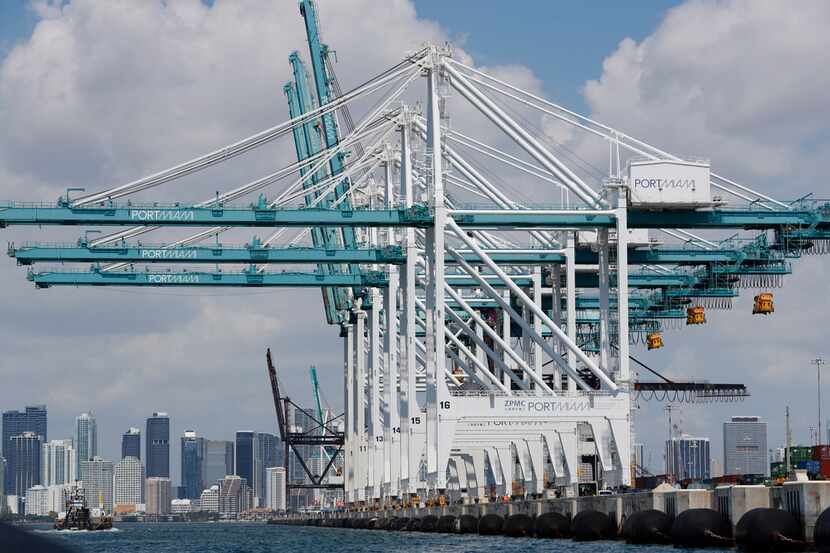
263,538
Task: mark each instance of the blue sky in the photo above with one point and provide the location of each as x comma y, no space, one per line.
564,43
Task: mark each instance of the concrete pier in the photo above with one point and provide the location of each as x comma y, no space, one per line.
804,500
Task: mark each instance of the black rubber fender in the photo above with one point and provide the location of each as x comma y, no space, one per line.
446,524
552,526
466,524
491,525
765,529
518,526
590,525
647,527
701,528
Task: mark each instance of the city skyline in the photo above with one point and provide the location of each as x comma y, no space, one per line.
113,448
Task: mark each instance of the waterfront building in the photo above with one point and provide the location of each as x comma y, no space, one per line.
209,500
15,423
86,439
688,458
218,461
158,446
157,495
269,455
43,500
13,504
235,496
182,506
745,446
131,443
129,482
275,495
24,462
97,477
193,464
58,463
247,455
37,501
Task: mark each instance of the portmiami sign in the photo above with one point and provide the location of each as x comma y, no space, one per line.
541,406
173,279
167,254
162,215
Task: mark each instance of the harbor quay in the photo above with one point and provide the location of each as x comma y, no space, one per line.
800,501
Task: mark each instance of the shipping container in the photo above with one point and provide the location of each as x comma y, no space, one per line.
821,452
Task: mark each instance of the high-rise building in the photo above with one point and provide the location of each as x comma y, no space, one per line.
745,446
218,462
193,463
275,495
269,455
158,496
158,446
209,500
37,501
131,443
97,477
24,462
247,454
58,463
2,480
43,500
86,439
687,458
235,496
15,423
128,482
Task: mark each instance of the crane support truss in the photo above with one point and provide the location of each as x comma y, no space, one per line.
478,341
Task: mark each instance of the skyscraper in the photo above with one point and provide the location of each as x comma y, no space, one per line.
2,480
269,455
275,495
158,495
24,462
33,419
158,446
745,446
247,452
129,481
86,439
58,463
97,477
235,496
218,462
131,443
688,458
193,463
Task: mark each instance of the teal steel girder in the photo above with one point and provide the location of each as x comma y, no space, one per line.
245,278
239,216
29,254
259,215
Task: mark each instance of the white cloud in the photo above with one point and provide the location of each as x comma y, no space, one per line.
736,81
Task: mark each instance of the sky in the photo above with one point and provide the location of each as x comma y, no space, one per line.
94,94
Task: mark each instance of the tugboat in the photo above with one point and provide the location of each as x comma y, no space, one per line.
78,517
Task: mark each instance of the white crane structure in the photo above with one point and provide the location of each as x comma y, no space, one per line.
476,361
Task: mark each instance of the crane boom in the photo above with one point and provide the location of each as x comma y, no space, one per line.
315,388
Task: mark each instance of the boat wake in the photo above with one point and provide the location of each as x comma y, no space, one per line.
67,532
